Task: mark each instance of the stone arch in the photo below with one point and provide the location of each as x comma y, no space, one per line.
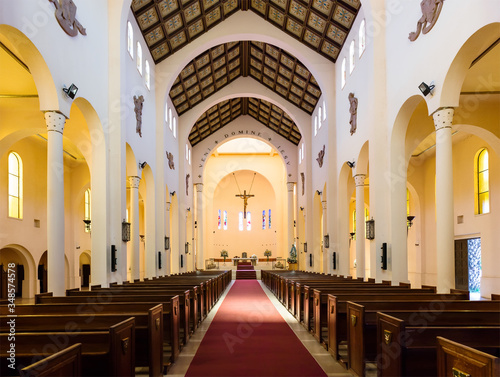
29,288
475,45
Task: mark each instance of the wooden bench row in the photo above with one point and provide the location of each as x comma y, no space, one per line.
354,334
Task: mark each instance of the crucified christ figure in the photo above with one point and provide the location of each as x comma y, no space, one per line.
245,201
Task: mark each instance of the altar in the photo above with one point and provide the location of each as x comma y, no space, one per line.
237,260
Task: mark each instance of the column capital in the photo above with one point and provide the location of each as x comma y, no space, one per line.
54,121
443,117
199,187
359,179
289,186
133,182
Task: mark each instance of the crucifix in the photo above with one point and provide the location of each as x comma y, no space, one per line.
245,201
244,196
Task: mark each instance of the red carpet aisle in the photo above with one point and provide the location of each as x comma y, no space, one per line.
248,337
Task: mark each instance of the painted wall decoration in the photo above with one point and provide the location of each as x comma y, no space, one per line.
353,109
170,158
65,14
430,13
321,155
138,104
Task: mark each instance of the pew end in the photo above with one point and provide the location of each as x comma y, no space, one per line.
67,362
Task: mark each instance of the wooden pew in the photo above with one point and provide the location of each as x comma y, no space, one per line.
362,322
411,350
92,317
109,353
65,363
170,310
337,311
455,358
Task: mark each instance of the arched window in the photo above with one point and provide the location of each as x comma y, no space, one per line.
170,119
139,58
324,110
224,224
166,114
315,125
240,221
147,75
319,116
249,221
218,220
362,38
15,186
264,219
174,127
482,182
130,39
187,151
343,74
269,220
86,209
351,57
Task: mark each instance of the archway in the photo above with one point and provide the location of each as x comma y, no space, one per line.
84,270
15,259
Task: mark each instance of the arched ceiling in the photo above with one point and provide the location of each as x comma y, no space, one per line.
169,25
217,67
261,110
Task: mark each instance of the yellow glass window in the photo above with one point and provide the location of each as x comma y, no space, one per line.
87,208
483,184
15,186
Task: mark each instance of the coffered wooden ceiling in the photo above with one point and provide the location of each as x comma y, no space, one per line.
270,65
263,111
169,25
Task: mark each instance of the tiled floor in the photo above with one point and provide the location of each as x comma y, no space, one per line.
324,359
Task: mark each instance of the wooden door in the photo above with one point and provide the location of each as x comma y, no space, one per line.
461,265
85,275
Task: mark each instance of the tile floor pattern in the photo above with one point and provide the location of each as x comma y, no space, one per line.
324,359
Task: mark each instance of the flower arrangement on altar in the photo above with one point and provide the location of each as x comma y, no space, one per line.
224,253
254,256
268,253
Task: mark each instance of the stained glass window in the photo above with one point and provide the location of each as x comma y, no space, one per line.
483,182
218,220
269,220
319,116
249,221
362,38
130,39
15,186
225,220
343,74
147,75
240,221
351,57
139,58
264,219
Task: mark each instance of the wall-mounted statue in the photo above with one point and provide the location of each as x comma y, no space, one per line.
138,103
430,13
65,14
353,109
187,184
170,158
321,155
303,177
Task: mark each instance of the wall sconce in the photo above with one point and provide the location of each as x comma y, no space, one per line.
352,234
351,164
195,224
172,193
142,165
426,89
87,224
142,237
305,247
370,229
409,221
294,223
167,243
125,231
186,247
188,209
318,192
301,208
71,91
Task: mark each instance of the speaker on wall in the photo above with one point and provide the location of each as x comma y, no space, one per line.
334,260
310,260
159,260
384,256
182,260
113,258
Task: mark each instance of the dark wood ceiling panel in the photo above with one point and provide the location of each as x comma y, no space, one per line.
169,25
268,64
263,111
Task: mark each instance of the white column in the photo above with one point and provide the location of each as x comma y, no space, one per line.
359,180
133,257
167,262
200,256
444,200
327,260
55,203
289,234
